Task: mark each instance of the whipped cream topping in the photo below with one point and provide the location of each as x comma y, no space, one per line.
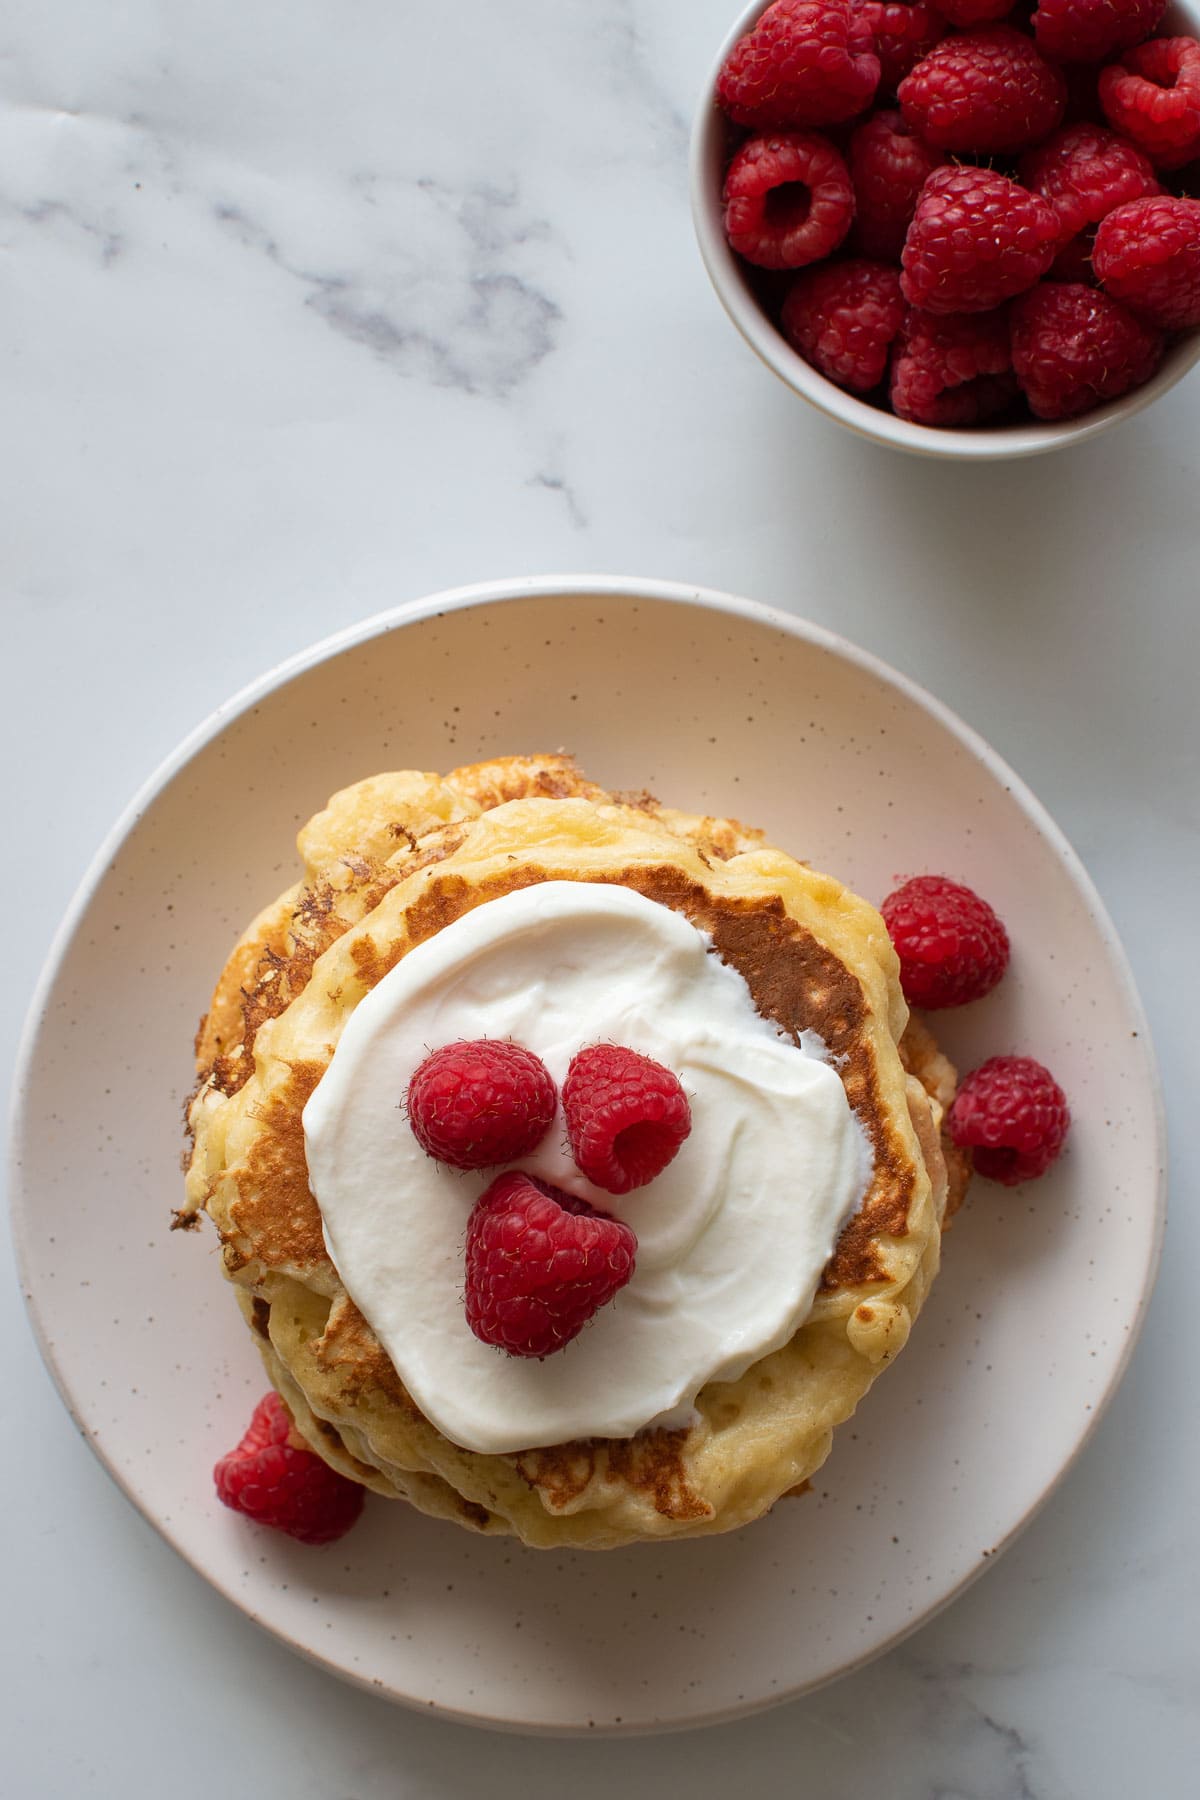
732,1236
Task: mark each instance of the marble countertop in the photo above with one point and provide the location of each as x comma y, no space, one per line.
308,309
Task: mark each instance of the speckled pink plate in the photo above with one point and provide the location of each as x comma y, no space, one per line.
719,705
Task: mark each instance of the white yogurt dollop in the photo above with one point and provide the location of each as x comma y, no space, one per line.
732,1236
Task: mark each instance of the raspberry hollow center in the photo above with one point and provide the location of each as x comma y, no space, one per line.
788,205
643,1149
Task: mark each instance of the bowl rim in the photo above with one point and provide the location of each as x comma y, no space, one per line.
725,271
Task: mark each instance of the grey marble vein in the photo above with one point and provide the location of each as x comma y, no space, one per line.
629,65
106,244
966,1728
469,321
558,484
1017,1757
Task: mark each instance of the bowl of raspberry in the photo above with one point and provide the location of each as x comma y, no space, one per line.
966,228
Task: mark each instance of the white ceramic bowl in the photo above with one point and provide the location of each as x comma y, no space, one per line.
718,705
729,276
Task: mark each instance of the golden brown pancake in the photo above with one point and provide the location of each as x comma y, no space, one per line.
389,863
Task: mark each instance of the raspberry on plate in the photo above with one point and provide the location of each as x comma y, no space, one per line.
903,33
1013,1115
1084,171
984,92
540,1264
1073,347
477,1103
951,945
842,318
976,239
1147,256
280,1483
626,1116
806,62
889,165
1088,31
788,200
1152,95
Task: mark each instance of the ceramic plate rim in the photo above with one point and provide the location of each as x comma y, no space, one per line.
487,594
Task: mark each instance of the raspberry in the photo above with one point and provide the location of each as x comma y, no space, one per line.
1147,255
889,165
806,62
477,1103
1083,31
1084,171
951,945
984,92
788,200
1015,1117
276,1483
1152,95
952,371
1073,347
626,1116
540,1264
903,33
973,12
976,239
842,318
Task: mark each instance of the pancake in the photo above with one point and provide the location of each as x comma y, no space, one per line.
398,858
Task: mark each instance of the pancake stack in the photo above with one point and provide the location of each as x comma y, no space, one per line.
396,859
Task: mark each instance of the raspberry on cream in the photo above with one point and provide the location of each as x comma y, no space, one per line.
626,1116
732,1236
540,1264
478,1104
